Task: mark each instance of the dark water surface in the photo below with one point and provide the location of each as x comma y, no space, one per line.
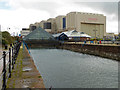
67,69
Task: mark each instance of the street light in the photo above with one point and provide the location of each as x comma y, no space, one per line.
95,34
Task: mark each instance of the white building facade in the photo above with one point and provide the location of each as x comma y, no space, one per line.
89,23
24,33
59,23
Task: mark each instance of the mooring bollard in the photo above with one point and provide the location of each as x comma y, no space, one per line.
4,70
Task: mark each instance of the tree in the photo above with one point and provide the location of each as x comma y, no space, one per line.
6,38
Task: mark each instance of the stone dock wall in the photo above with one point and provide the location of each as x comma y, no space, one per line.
106,51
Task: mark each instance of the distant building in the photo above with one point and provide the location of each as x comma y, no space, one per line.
53,25
87,23
72,35
42,23
25,29
32,27
61,37
39,34
24,32
109,35
40,38
116,36
46,25
37,24
59,23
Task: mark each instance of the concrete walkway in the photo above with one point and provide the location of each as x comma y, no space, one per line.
25,73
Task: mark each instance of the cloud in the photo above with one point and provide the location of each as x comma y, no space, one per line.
108,8
112,27
21,18
21,13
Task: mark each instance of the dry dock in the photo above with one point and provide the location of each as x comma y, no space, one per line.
106,51
25,73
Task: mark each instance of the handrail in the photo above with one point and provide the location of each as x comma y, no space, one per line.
12,56
1,58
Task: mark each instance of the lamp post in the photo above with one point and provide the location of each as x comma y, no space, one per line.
95,34
8,28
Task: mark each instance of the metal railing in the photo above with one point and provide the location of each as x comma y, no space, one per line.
9,59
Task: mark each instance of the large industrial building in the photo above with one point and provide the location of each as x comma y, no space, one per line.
89,23
59,23
47,25
42,23
32,27
53,25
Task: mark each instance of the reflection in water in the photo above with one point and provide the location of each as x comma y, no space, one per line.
67,69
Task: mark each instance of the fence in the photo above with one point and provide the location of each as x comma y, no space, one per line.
8,65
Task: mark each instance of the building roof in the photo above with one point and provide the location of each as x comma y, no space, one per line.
75,12
60,16
57,35
72,33
39,34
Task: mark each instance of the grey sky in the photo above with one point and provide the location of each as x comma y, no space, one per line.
50,7
106,7
31,11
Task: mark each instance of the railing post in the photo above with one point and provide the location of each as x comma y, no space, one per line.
14,52
15,46
4,70
10,45
12,58
9,62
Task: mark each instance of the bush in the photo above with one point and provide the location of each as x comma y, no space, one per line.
6,38
4,41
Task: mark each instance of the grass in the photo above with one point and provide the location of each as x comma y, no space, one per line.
19,76
17,71
39,76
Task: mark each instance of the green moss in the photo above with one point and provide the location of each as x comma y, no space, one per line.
18,75
16,72
39,76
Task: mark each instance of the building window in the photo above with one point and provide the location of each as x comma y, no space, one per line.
47,25
64,23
